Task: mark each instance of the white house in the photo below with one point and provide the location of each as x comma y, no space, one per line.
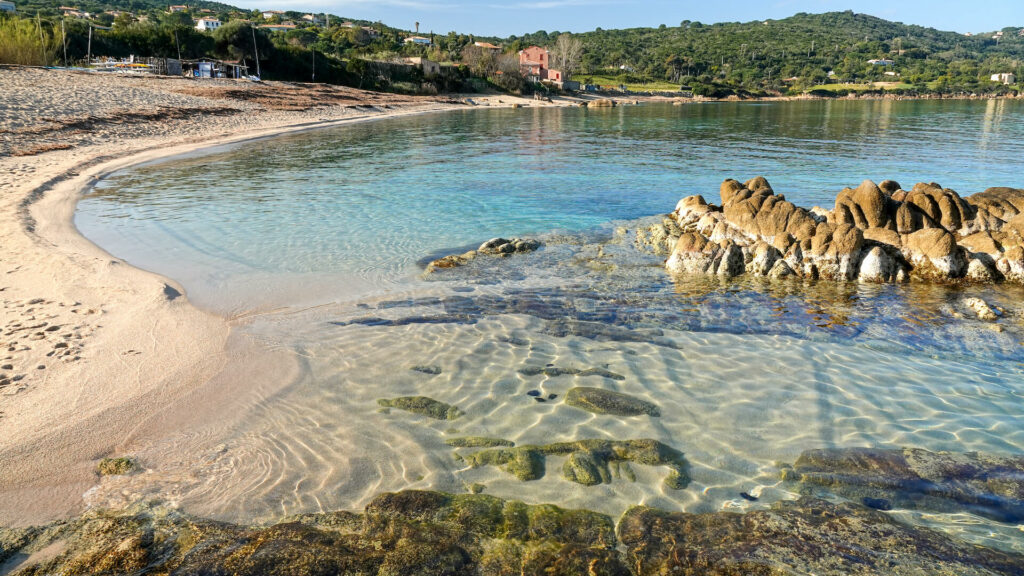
6,6
271,13
177,8
881,62
207,24
1005,78
418,40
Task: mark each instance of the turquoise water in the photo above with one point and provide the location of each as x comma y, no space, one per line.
361,205
747,373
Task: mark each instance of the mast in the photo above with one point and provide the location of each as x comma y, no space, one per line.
256,51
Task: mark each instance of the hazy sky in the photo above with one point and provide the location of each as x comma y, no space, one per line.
498,18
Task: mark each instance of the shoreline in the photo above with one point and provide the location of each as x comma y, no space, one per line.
140,345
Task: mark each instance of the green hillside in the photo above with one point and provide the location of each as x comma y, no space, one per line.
824,53
762,54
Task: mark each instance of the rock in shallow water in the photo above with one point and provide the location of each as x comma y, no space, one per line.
601,401
430,533
807,536
422,405
983,484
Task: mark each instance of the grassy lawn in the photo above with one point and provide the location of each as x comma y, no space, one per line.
863,87
653,86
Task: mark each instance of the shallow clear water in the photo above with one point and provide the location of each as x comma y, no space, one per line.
747,374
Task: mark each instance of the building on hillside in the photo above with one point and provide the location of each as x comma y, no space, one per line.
429,67
207,24
178,8
348,24
6,6
268,14
277,27
881,62
117,13
487,46
1020,32
313,19
371,31
74,12
1005,78
534,63
420,40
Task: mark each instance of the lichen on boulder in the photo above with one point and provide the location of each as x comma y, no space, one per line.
422,405
600,401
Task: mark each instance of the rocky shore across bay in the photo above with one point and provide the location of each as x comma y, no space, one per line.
874,233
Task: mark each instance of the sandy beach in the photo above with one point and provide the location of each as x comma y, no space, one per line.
94,350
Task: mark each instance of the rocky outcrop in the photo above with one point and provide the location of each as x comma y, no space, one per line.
984,484
433,534
874,233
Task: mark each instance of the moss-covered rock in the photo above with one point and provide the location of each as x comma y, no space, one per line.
420,532
115,466
478,442
590,459
422,405
601,401
808,536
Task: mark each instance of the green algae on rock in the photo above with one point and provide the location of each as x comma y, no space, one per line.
602,401
554,372
422,405
806,536
410,533
433,534
115,466
478,442
984,484
588,462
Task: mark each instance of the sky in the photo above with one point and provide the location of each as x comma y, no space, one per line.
505,18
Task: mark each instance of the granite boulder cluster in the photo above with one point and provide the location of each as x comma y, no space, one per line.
875,233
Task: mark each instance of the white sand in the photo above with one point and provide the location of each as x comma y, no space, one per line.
93,352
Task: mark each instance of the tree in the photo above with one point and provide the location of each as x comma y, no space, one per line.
567,55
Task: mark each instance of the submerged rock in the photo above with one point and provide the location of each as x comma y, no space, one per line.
554,372
478,442
874,233
602,401
413,532
590,459
427,369
431,533
422,405
987,485
806,536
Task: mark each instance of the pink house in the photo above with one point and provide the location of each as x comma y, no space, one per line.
534,62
